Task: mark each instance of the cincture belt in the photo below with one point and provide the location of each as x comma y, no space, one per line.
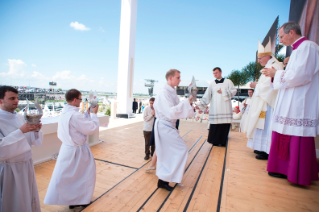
167,122
75,144
16,161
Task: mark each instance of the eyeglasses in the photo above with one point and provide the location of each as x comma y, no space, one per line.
79,99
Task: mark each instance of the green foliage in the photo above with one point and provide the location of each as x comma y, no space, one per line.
108,111
17,110
280,57
252,70
278,48
238,77
59,89
101,108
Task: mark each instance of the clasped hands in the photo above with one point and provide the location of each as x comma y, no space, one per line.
269,72
94,110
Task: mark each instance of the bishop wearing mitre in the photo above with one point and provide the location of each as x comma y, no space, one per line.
263,103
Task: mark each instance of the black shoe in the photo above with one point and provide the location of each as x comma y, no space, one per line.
73,206
146,157
258,152
163,184
262,156
277,175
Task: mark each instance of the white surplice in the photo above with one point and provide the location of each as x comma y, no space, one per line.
297,107
18,186
74,175
220,111
171,149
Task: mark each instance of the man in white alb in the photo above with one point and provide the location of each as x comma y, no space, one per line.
263,103
245,110
74,175
18,186
171,149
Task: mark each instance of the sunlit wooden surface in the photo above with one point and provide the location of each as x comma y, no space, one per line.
123,185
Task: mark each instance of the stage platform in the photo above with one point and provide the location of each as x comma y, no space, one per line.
216,178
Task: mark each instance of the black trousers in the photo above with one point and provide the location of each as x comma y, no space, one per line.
218,134
134,110
147,137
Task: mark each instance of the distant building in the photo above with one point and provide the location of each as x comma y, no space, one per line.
202,85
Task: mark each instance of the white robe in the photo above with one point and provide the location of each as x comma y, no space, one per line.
74,175
171,149
18,184
264,95
297,107
245,114
220,111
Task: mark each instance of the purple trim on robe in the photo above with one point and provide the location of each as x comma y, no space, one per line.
301,164
297,44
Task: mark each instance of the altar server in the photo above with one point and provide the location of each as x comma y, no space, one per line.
295,122
18,186
218,95
245,110
171,149
74,175
263,102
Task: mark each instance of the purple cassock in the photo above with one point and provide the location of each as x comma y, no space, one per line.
295,121
295,158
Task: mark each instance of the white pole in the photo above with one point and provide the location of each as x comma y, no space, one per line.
126,58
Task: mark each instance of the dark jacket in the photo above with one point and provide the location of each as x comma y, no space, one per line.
134,106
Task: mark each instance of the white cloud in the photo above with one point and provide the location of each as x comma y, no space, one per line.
63,75
34,65
39,76
101,29
16,68
78,26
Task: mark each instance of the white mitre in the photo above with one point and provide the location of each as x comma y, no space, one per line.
264,51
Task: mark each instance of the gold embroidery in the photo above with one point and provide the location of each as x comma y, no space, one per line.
262,115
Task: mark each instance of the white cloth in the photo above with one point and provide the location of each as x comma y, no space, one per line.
244,116
220,110
297,107
74,175
18,184
148,119
261,140
171,149
264,95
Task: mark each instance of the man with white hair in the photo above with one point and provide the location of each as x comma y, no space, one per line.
263,102
295,121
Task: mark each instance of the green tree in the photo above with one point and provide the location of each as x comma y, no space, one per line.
280,57
59,89
252,70
239,78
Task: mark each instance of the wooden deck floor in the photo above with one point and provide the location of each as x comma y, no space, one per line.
123,185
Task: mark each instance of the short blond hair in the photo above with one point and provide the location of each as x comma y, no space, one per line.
171,73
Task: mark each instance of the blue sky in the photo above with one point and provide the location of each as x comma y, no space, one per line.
38,45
